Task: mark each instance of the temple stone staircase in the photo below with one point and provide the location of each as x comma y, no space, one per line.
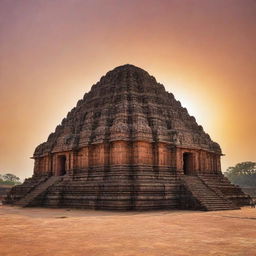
39,189
208,198
118,188
231,192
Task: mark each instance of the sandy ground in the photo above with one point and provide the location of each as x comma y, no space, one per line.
61,232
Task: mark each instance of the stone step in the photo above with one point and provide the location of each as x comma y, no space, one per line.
232,192
37,191
207,197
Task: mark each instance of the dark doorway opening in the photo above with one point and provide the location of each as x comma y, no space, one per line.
62,165
187,163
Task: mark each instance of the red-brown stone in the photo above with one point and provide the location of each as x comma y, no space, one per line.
127,145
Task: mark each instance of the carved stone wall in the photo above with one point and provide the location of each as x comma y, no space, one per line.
126,145
127,104
129,153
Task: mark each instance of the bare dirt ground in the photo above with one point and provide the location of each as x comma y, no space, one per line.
61,232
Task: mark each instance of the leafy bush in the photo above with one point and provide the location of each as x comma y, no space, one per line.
243,174
9,179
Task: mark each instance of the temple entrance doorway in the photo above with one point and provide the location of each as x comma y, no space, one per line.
62,165
188,163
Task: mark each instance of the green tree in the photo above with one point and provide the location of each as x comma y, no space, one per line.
243,174
9,179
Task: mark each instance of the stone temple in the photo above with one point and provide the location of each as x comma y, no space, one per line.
128,145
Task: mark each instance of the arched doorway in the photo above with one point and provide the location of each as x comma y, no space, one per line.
187,163
62,165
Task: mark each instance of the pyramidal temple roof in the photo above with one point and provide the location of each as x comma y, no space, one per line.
127,104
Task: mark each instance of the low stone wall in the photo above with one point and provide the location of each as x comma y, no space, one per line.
4,189
250,191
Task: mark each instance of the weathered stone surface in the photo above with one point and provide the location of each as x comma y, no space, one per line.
127,104
126,145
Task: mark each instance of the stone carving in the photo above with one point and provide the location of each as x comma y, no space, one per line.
126,145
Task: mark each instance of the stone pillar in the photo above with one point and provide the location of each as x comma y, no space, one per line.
179,161
90,155
49,164
36,166
106,154
155,153
196,161
218,164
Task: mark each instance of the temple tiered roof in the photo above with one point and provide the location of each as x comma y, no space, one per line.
127,104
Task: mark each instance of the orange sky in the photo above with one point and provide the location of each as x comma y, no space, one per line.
52,51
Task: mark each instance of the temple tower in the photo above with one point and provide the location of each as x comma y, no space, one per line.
129,144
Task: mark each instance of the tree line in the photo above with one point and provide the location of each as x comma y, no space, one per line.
242,174
9,179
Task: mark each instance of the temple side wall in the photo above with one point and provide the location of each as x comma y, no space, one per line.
42,165
129,153
202,161
120,152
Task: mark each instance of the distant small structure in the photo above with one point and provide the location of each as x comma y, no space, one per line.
128,145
